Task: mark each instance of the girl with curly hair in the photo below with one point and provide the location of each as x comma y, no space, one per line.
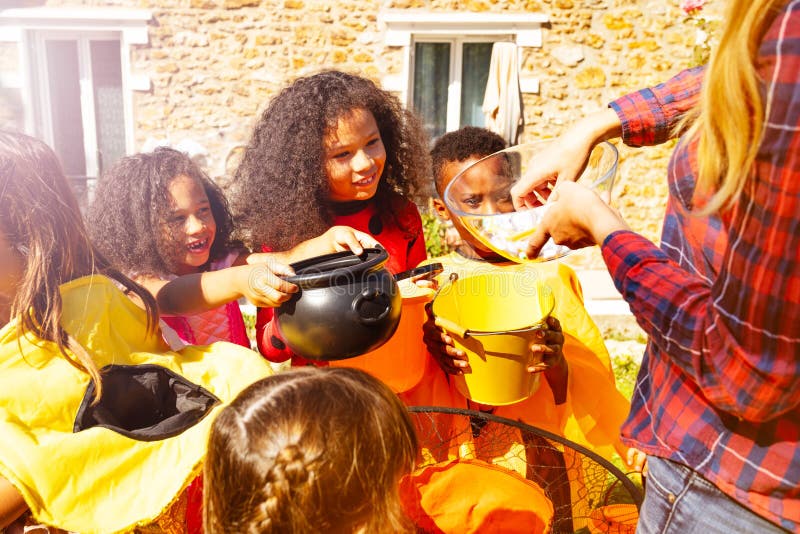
309,450
167,223
332,148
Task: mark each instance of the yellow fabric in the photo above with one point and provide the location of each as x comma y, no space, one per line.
594,409
97,480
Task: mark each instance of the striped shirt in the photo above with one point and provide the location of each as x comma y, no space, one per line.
719,386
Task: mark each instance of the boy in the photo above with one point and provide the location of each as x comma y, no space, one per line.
578,398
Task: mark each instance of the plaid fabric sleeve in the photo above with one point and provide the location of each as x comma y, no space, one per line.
737,339
649,116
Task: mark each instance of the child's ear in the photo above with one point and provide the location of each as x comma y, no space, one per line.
441,209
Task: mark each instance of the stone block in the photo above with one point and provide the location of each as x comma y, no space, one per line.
590,77
238,4
613,22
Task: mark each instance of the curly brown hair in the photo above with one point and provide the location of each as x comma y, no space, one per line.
41,220
280,192
131,204
309,450
460,145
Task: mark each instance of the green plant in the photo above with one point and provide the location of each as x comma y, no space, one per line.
434,229
706,28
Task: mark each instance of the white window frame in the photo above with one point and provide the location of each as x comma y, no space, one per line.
403,27
30,27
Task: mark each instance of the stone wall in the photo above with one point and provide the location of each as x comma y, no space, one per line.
214,64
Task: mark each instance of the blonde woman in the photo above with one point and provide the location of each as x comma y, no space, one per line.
716,401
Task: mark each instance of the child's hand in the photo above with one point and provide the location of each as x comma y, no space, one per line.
341,238
453,361
549,343
264,286
637,460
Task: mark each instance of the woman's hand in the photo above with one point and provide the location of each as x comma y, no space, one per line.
576,217
548,346
453,361
637,460
564,158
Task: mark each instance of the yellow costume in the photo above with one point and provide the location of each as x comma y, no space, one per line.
594,409
120,463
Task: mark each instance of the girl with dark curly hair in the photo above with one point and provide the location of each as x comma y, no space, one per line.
332,148
167,223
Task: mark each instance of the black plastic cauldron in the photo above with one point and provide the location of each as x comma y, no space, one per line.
347,305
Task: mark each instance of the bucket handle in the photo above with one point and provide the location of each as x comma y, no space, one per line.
462,332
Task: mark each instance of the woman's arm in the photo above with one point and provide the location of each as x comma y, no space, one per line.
646,117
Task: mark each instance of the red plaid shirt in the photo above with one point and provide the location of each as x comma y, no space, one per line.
719,387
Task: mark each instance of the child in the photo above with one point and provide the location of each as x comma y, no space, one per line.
331,148
309,450
162,218
91,400
578,398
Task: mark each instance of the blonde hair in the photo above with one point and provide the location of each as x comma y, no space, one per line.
42,222
309,450
729,118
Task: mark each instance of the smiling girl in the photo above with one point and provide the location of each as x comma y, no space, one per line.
166,223
332,148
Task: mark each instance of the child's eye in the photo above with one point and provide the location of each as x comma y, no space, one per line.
340,155
472,202
373,142
178,219
204,212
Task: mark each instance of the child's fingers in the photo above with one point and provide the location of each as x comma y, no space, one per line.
264,281
366,240
450,359
347,240
281,269
424,283
553,323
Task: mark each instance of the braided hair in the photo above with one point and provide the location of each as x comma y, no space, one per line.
309,450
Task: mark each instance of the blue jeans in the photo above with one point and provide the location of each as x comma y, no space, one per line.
680,501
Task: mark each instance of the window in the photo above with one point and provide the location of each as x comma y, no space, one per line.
80,102
75,81
447,58
449,82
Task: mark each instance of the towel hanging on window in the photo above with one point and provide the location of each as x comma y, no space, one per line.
502,102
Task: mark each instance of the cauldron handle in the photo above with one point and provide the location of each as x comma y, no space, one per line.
370,293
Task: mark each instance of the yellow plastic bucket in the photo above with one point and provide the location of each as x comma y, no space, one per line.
400,362
493,318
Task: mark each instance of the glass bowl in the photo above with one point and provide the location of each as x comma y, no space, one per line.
479,197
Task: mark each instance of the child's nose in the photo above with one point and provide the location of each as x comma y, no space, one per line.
361,161
194,224
489,207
